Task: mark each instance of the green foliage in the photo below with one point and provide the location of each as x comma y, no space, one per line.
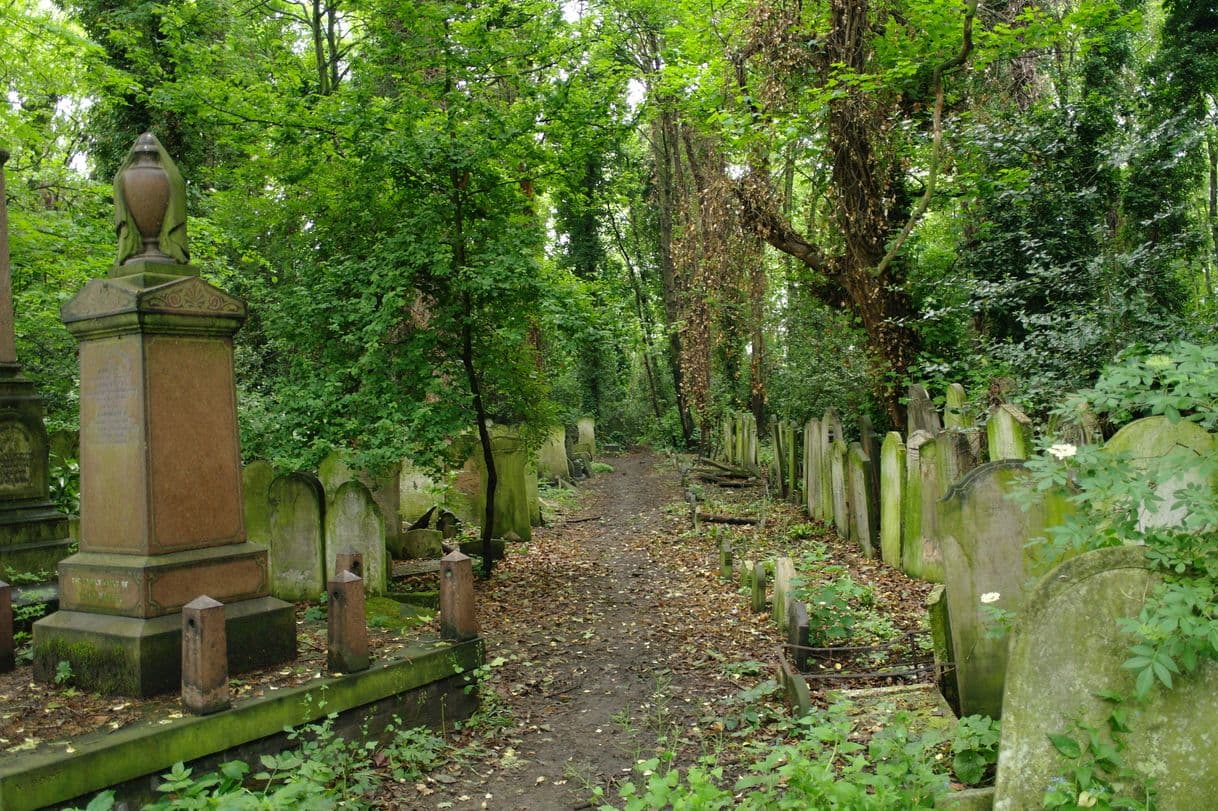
975,749
1097,776
840,610
64,481
822,768
63,672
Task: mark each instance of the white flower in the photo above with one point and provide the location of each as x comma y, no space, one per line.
1063,451
990,597
1086,799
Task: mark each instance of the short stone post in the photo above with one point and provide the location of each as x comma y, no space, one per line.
692,498
6,627
725,559
457,620
347,637
204,657
349,560
759,579
797,634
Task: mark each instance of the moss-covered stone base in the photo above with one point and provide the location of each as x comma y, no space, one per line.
143,657
424,685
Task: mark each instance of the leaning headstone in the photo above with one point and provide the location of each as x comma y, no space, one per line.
921,414
862,520
957,455
784,582
797,635
792,462
920,553
812,466
296,537
162,519
892,484
956,414
1008,433
422,544
256,478
552,464
871,449
1066,653
353,521
1146,442
840,485
988,558
830,432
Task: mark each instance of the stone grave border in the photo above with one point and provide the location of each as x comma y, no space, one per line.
423,684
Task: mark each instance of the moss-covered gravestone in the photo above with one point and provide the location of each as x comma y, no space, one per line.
532,494
417,492
256,478
513,508
840,485
353,521
830,432
552,464
1162,448
162,514
585,443
1065,653
956,414
1008,433
988,559
386,490
784,583
920,553
812,467
862,520
296,537
892,485
921,414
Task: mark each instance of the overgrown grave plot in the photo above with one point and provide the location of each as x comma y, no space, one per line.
36,716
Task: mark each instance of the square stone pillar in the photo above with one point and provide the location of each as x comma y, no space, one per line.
161,504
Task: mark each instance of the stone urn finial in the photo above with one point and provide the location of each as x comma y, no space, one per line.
150,206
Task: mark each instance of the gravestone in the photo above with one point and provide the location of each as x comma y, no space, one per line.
920,554
784,582
460,494
64,445
870,441
512,504
830,432
417,492
792,456
1066,650
1146,443
939,622
921,414
957,455
1008,433
297,537
956,414
840,485
532,493
34,535
353,521
862,519
985,538
552,464
892,485
256,478
162,513
422,544
729,439
386,490
812,466
586,440
1080,428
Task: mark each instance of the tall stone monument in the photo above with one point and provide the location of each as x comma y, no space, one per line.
33,534
161,504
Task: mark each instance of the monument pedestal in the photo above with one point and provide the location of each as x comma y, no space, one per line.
161,504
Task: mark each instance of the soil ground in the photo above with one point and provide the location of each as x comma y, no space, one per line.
613,638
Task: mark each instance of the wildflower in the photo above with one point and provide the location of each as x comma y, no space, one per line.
1063,451
1159,362
1086,799
990,597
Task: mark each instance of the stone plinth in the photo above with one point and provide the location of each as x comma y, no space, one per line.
161,491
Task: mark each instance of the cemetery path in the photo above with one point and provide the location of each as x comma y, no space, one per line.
609,641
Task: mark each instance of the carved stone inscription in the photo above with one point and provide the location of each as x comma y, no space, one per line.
16,457
111,394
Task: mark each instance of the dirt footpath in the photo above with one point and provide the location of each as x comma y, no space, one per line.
611,633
